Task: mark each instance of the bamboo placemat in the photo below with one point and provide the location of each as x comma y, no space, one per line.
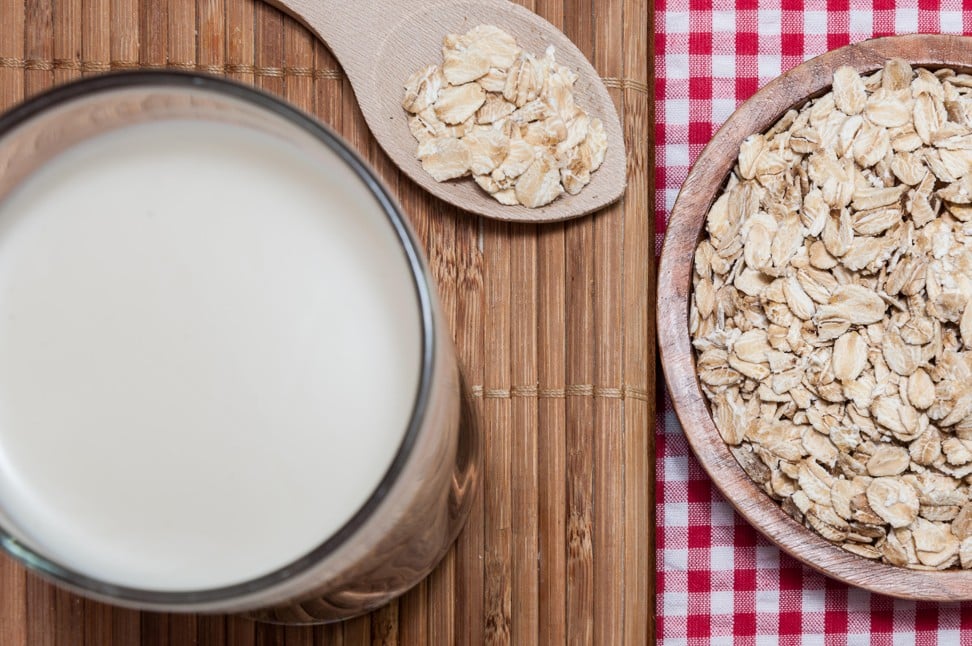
554,326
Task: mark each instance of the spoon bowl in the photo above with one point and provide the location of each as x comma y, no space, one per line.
380,44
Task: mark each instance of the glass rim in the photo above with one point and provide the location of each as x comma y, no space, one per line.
62,95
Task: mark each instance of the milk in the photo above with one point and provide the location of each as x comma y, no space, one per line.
209,352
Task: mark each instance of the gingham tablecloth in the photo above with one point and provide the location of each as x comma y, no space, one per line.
718,580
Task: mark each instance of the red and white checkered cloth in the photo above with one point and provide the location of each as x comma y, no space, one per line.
719,581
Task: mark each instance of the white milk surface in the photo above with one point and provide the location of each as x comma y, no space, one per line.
209,351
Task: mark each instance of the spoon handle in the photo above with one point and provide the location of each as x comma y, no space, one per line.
353,30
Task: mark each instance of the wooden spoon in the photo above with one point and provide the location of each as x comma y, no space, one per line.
380,44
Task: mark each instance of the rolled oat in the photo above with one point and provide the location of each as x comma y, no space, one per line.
831,314
505,117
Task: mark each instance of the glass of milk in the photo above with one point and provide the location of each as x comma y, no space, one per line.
224,382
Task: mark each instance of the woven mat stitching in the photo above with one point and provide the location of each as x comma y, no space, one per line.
48,65
107,66
625,84
573,390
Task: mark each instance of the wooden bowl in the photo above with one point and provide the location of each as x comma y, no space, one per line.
700,189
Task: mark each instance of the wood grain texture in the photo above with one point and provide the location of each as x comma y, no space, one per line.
12,47
524,582
684,229
552,413
552,325
181,40
497,474
67,37
608,496
153,32
211,34
38,44
95,19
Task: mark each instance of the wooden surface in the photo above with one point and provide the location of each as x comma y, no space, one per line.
380,43
684,228
553,324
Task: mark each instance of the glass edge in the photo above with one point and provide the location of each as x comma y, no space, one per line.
422,281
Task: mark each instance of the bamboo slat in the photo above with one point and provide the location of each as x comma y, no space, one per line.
579,238
239,632
497,475
524,481
153,30
183,629
553,326
155,630
608,534
470,571
67,38
552,414
38,45
211,630
123,36
97,624
12,48
211,34
181,34
240,39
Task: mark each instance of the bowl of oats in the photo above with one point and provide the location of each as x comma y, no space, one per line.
815,313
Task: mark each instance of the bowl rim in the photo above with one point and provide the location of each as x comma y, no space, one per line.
686,220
